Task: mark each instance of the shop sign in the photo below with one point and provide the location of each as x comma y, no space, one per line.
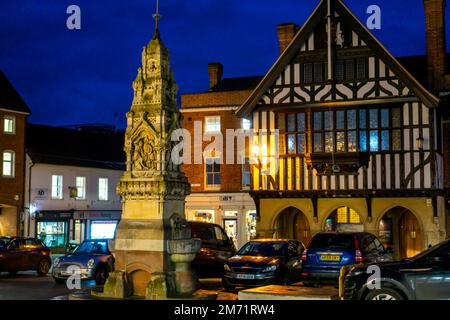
84,215
41,194
50,215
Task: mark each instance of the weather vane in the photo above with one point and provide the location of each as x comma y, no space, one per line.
157,16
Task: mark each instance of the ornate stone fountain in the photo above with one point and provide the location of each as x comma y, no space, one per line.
153,247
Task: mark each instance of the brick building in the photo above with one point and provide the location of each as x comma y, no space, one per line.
219,190
13,115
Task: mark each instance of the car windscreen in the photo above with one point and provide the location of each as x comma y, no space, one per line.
264,249
333,241
92,247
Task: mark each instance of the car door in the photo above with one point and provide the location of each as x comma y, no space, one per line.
32,253
432,275
225,248
15,256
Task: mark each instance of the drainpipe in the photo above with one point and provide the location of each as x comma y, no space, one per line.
29,198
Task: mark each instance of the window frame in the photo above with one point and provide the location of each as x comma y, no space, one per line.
13,120
59,186
100,198
78,198
214,173
12,162
215,130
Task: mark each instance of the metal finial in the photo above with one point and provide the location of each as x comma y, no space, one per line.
157,16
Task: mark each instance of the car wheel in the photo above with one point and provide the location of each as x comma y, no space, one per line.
43,267
101,275
384,294
228,286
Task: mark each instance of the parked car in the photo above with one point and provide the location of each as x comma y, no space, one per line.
263,262
24,254
216,248
328,252
423,277
93,259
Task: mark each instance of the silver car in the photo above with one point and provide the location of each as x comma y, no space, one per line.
91,260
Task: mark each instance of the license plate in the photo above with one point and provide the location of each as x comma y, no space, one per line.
245,276
330,258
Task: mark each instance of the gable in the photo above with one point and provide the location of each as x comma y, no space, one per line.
299,76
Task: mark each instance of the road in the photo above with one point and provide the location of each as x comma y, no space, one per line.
28,286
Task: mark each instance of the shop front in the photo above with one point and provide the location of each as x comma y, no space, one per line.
53,228
95,225
235,213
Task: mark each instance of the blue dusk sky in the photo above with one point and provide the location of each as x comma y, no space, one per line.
85,76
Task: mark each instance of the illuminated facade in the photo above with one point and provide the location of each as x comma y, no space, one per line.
360,143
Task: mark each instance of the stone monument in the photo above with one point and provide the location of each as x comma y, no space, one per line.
153,247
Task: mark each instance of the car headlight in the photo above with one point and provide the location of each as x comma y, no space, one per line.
270,269
226,268
57,262
90,263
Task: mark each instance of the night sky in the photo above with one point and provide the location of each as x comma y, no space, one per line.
85,76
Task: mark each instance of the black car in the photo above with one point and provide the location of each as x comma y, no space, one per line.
23,254
423,277
216,248
328,252
263,262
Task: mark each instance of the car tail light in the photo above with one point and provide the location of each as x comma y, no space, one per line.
358,255
304,255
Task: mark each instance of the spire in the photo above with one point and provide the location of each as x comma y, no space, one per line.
157,17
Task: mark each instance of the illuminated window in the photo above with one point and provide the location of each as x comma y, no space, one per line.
246,124
103,189
9,124
57,187
246,175
291,143
8,164
212,124
81,188
345,215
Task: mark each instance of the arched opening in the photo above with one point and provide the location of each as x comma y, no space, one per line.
400,229
344,219
292,223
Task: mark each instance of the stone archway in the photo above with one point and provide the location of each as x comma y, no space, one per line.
400,229
344,219
292,223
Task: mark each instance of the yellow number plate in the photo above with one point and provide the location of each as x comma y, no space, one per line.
330,258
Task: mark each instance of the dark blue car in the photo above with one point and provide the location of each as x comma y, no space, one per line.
328,252
91,259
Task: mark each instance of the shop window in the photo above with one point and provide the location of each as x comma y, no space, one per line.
53,234
213,172
8,163
81,188
212,124
57,187
9,124
103,189
103,229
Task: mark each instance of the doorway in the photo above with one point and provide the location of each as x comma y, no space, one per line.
291,223
400,229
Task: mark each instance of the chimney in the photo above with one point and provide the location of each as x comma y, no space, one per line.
436,46
215,71
286,32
